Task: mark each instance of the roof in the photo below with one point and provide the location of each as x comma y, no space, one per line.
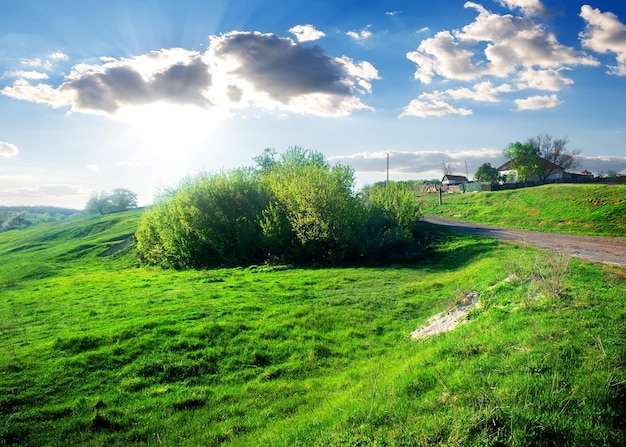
455,178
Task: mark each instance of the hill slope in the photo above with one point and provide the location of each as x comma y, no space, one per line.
577,209
97,351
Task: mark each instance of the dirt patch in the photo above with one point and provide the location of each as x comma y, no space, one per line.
448,320
118,247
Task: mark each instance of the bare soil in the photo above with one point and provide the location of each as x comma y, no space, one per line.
606,250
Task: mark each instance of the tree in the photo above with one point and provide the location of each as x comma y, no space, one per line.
524,159
486,173
122,199
119,199
554,151
98,203
266,160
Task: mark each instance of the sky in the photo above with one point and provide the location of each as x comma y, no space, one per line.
140,94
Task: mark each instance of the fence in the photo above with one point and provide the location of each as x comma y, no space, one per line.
619,180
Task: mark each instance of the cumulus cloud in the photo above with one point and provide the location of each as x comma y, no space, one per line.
360,35
528,7
25,74
8,150
306,33
93,168
429,104
604,33
538,102
482,92
517,48
58,56
551,80
436,103
239,69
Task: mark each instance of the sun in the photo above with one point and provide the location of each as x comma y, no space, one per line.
169,137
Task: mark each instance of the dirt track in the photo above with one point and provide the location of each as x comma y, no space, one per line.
607,250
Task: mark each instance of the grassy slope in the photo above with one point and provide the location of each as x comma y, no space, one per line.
98,352
576,209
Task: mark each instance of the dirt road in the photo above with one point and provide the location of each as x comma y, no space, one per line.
607,250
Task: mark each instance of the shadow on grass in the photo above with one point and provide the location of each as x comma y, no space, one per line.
451,249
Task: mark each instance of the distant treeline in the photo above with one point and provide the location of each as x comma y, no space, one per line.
295,208
12,217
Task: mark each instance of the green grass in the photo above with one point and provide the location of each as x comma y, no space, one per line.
576,209
97,351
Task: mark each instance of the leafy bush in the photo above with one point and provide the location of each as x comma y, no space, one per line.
209,221
297,209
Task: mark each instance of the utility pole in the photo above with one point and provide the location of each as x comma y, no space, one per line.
387,183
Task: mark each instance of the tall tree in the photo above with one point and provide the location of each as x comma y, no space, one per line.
122,199
555,151
98,203
524,159
119,199
486,173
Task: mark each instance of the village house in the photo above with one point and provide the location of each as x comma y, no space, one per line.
450,180
550,172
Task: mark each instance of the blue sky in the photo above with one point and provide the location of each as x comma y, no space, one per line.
139,94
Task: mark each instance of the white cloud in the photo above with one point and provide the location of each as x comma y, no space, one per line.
93,168
537,102
604,33
306,33
517,48
360,35
483,92
492,45
429,104
238,70
58,56
445,56
528,7
23,74
8,150
34,62
40,93
549,80
393,13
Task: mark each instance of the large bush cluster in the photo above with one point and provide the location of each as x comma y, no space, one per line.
292,209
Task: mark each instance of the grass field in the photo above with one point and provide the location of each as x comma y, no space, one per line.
98,351
576,209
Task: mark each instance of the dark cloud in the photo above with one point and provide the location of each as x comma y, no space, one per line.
242,68
114,85
282,68
108,90
602,165
183,83
422,164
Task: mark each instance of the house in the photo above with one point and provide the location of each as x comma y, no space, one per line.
453,179
550,172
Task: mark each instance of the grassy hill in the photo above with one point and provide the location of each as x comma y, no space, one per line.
575,209
98,351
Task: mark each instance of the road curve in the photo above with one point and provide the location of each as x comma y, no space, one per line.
606,250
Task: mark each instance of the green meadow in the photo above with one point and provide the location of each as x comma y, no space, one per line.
577,209
98,351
